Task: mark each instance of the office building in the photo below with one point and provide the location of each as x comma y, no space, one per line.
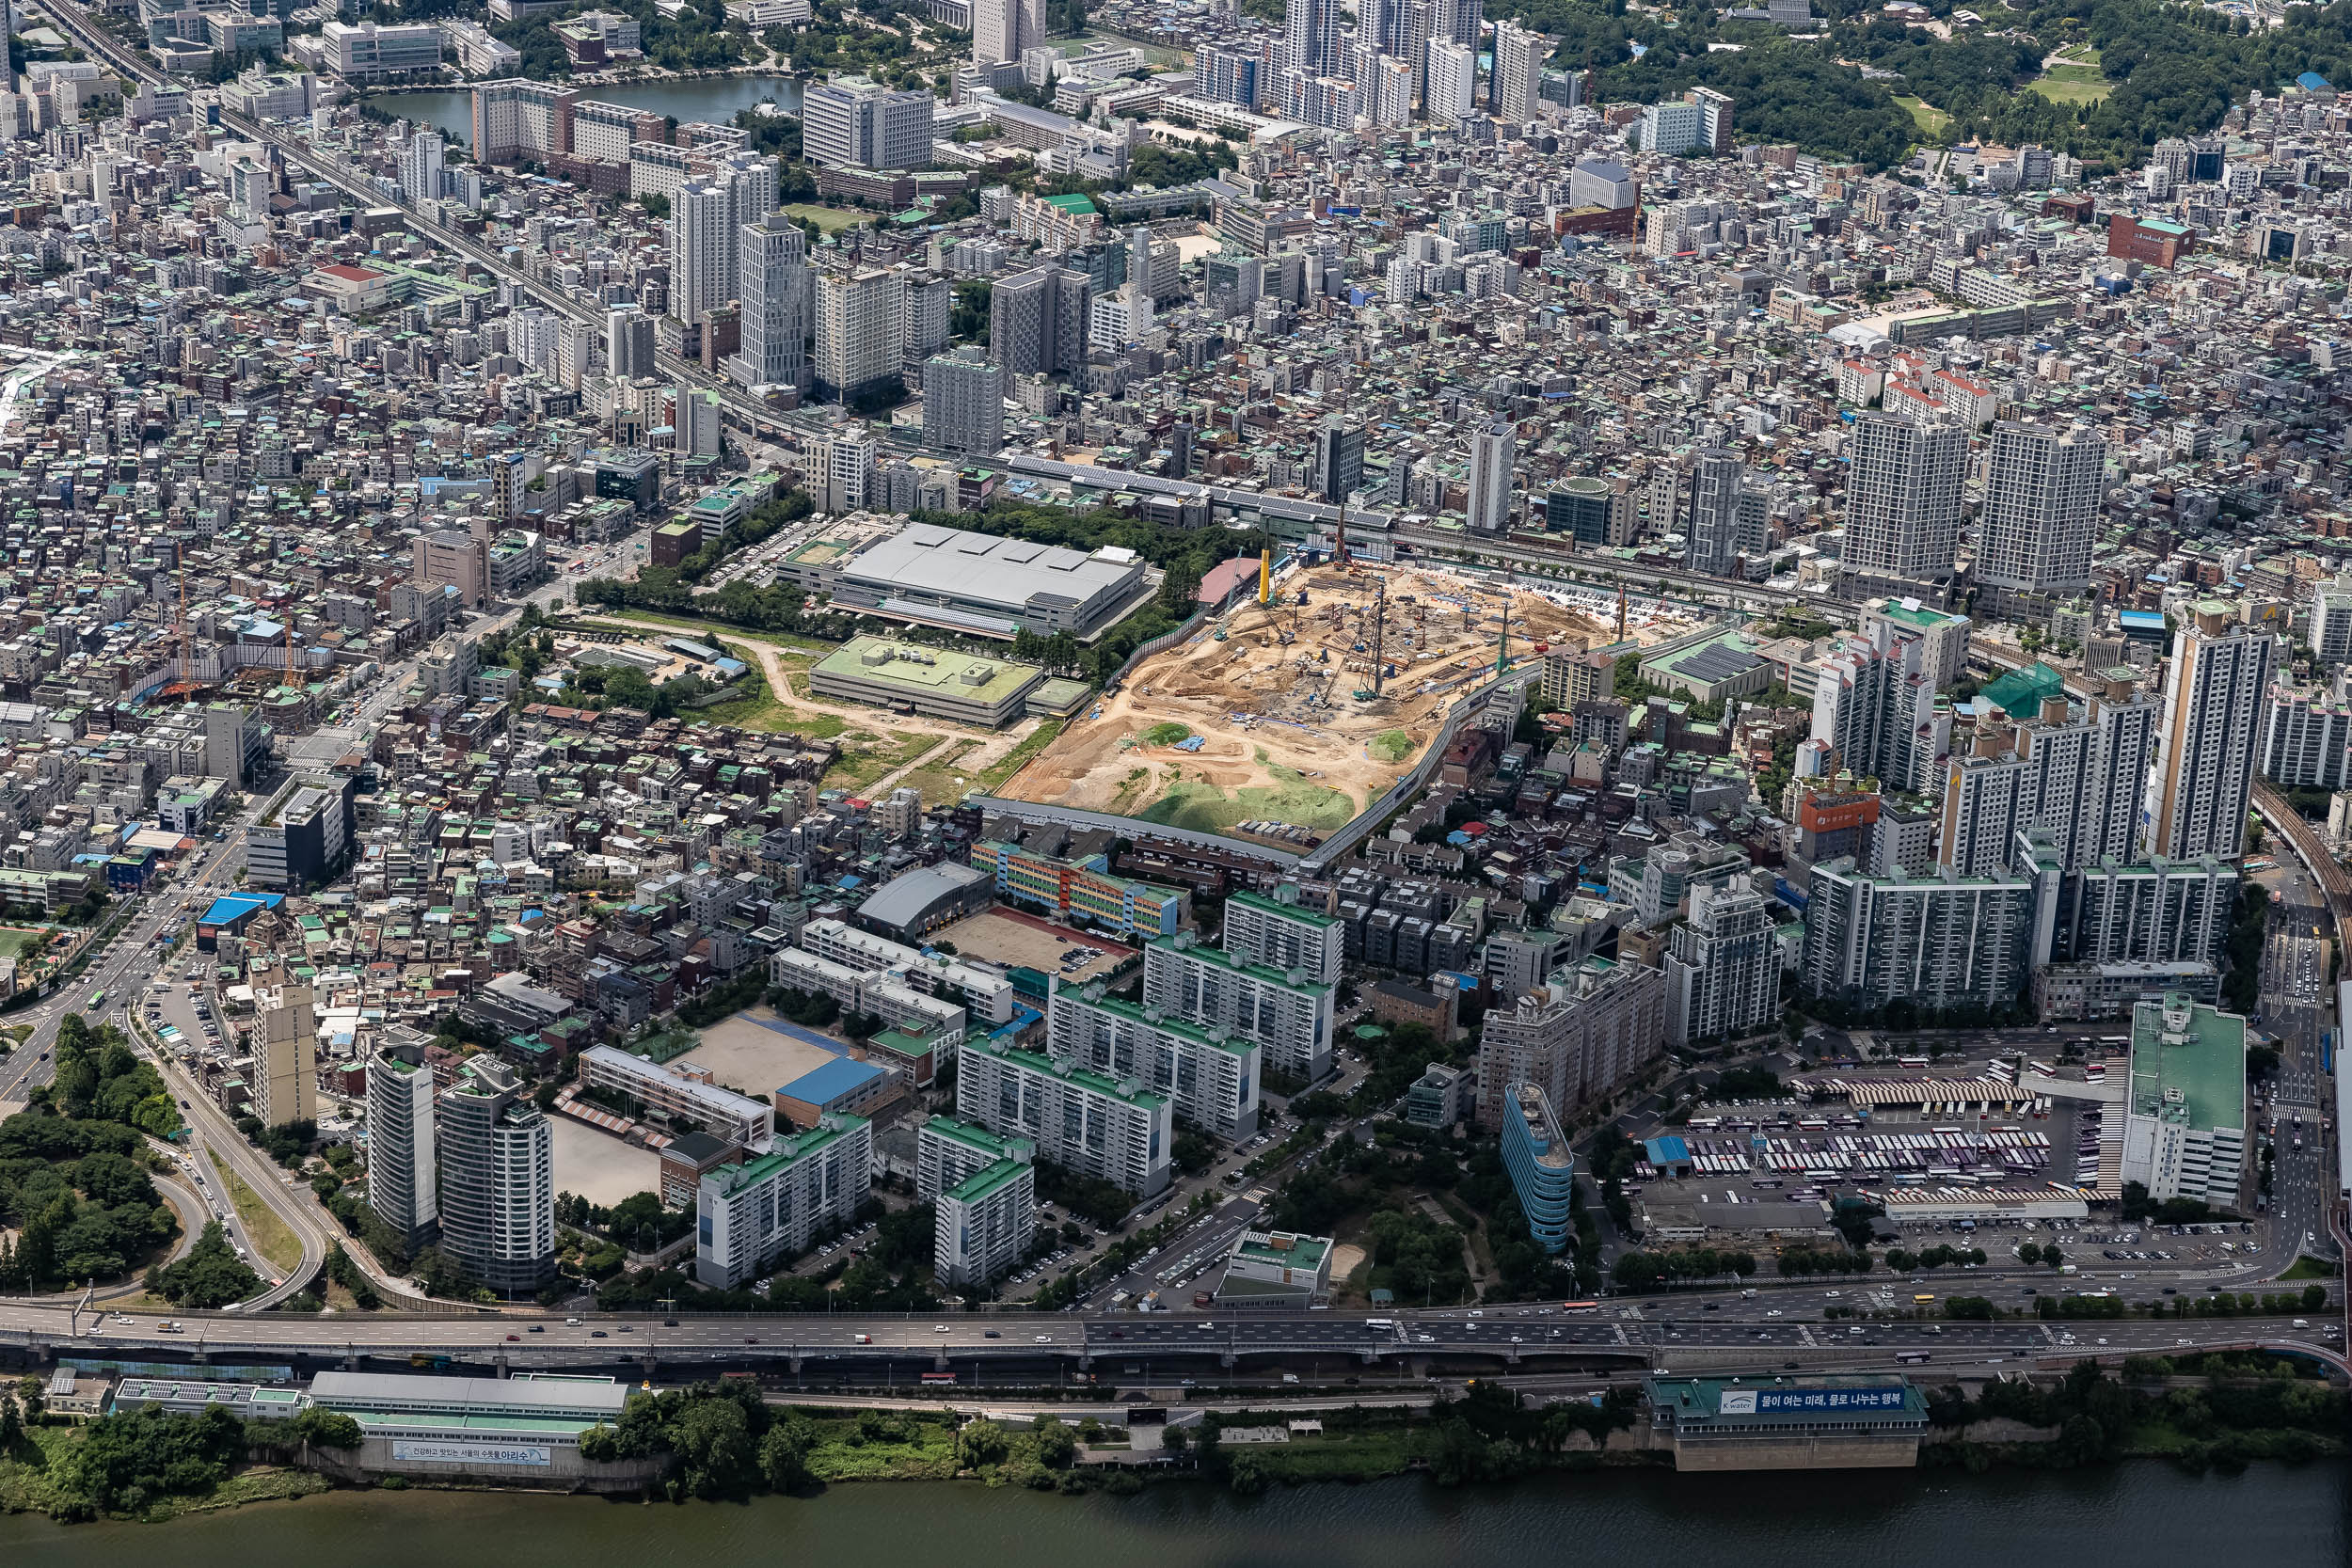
1274,931
1003,31
1493,448
748,1217
1580,1037
2041,495
1339,459
1208,1073
772,289
285,1078
1717,538
1902,497
2330,626
1276,1269
963,404
401,1161
1939,940
1671,130
1519,54
1288,1015
1113,1130
983,1191
497,1178
1542,1166
2211,738
853,122
2185,1126
1037,321
1723,967
857,332
302,835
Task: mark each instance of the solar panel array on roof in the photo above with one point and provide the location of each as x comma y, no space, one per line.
1715,662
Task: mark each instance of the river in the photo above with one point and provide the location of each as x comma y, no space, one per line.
716,99
2128,1516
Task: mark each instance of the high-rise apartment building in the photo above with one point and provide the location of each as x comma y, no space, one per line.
707,218
1902,497
420,167
1037,320
1579,1038
1494,446
983,1193
497,1178
1722,967
630,342
772,286
1451,92
1519,54
1275,931
285,1078
857,331
2211,736
1310,37
2040,509
1114,1130
1287,1014
403,1169
749,1215
1541,1162
1874,705
963,404
1716,530
1209,1074
1940,940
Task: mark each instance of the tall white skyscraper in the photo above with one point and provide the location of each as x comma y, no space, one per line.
1453,91
1519,63
1493,446
1310,37
772,264
963,404
2207,748
1001,29
707,218
420,167
497,1178
857,331
400,1157
1902,497
2040,509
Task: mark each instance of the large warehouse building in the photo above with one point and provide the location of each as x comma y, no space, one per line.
992,587
939,683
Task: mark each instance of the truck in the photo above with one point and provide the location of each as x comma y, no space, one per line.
1201,1300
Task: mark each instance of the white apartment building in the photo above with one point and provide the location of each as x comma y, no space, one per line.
874,991
1208,1075
1277,932
748,1216
984,1193
984,993
1723,967
1287,1015
1119,1131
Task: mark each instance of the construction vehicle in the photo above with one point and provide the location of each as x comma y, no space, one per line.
1365,694
1220,635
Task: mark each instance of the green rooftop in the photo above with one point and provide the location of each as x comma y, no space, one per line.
938,671
2188,1064
987,1181
2022,690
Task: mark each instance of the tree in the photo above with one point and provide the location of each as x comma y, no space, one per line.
328,1429
784,1455
713,1442
212,1275
981,1442
1057,1444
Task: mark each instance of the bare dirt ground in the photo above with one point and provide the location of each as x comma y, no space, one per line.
1284,739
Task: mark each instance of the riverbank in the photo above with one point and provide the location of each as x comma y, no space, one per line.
2122,1516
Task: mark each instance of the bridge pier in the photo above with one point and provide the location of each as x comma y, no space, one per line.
1369,1357
502,1367
792,1364
939,1361
1511,1355
1226,1359
646,1364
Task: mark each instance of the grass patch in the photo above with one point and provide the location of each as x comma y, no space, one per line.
944,782
18,941
272,1237
723,631
926,1451
1166,734
1205,808
830,219
2308,1267
1926,116
867,756
2072,83
992,776
1391,746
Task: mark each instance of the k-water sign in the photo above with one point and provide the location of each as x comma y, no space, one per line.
416,1450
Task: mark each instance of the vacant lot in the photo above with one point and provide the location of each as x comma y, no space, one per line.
600,1167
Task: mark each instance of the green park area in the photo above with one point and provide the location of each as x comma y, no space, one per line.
830,219
2075,78
1205,808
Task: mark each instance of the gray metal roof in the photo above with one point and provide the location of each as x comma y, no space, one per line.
905,899
364,1390
982,568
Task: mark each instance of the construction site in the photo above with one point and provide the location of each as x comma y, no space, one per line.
1283,717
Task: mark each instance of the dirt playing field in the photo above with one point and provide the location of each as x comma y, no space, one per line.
1262,733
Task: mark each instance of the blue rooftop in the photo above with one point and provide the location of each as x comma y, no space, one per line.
836,1079
1666,1151
2311,81
806,1036
231,907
